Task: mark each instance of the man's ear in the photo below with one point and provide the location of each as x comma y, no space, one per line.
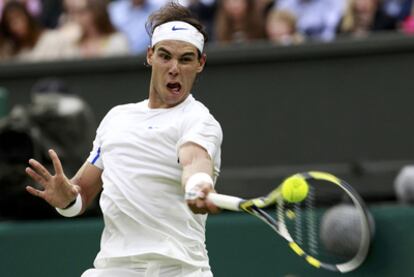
202,62
150,53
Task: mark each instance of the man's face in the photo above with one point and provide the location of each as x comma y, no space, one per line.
175,65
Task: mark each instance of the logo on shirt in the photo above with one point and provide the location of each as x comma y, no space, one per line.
178,28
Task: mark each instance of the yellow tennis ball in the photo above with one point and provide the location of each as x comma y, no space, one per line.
295,189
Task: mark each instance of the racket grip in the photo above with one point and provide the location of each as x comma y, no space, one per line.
225,201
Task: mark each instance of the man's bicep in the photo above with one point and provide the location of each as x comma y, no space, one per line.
205,132
190,151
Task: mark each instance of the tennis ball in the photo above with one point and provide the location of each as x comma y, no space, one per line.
294,189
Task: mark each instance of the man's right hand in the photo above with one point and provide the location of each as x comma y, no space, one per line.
201,205
58,190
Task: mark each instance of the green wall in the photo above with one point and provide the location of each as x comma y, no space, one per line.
65,248
4,109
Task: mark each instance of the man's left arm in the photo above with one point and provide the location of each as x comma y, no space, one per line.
197,178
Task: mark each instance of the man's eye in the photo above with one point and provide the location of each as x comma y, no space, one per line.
186,60
165,56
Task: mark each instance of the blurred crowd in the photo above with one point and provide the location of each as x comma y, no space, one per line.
33,30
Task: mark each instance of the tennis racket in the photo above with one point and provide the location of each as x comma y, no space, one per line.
300,222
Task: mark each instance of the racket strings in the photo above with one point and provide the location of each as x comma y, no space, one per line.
318,228
298,224
303,224
311,222
280,216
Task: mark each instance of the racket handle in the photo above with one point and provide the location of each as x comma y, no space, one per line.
225,201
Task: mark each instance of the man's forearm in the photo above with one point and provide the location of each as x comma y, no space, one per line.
203,165
89,181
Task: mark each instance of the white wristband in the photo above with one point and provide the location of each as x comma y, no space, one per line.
73,210
191,191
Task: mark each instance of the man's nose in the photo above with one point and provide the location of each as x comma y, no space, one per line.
174,70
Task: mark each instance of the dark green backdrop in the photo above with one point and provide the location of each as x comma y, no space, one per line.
65,248
344,107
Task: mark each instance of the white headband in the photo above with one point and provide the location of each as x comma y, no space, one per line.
178,30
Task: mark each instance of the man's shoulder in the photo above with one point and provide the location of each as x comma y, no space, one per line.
123,108
195,105
193,110
196,111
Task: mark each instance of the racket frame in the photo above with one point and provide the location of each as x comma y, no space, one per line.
255,206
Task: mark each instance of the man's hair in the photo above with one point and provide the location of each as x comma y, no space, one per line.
174,12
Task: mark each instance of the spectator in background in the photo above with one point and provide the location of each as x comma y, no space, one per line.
264,6
281,28
184,3
317,19
205,11
26,39
363,17
46,11
407,25
19,28
129,17
238,21
5,47
98,37
51,12
34,7
68,26
397,9
4,50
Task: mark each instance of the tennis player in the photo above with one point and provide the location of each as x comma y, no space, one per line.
156,161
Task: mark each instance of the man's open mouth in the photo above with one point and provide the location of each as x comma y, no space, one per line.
174,87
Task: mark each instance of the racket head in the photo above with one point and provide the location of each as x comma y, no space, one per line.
329,239
330,228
